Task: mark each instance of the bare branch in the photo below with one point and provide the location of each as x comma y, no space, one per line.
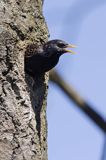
78,100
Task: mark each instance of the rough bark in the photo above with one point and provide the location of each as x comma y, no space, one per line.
23,128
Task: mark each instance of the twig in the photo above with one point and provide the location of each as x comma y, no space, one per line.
81,103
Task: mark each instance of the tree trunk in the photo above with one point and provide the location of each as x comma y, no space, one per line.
23,127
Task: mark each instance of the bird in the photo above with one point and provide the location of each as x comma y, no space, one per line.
39,60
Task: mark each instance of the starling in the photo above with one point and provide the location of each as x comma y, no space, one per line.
46,57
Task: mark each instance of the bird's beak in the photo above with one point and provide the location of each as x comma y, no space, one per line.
70,46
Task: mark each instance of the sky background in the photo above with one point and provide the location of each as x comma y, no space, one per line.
72,135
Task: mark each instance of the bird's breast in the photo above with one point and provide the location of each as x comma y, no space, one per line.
50,63
39,64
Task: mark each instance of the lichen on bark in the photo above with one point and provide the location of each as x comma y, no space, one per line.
23,128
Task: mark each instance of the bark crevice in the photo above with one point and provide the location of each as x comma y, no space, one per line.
23,126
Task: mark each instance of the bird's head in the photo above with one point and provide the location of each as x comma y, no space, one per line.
57,47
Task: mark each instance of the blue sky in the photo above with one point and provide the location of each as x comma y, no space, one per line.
71,135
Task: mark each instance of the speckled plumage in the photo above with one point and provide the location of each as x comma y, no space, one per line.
41,59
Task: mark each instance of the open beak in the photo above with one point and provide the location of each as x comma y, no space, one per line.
70,46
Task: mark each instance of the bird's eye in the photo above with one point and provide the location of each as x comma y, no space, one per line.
61,45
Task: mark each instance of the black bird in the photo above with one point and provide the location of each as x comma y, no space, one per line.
46,57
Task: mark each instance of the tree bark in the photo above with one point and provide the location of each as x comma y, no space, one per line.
23,127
